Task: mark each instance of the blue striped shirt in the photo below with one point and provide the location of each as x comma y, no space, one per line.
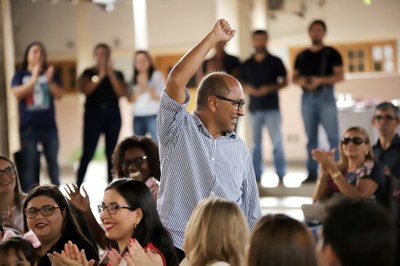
195,166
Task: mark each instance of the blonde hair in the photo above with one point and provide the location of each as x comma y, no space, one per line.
344,161
217,231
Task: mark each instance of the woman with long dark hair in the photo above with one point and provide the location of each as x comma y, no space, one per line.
35,86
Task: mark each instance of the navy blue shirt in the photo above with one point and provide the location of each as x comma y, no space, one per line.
36,111
390,157
266,72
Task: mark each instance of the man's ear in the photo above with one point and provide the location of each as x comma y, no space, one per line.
212,103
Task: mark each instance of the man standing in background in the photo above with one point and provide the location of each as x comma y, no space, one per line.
264,75
316,70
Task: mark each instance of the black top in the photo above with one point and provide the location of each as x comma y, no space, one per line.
90,251
229,64
103,96
390,157
309,63
267,72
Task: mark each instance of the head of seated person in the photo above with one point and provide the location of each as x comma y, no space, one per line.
216,232
136,157
357,232
47,214
10,192
16,251
127,212
281,240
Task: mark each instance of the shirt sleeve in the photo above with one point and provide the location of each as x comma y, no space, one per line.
251,200
336,58
17,79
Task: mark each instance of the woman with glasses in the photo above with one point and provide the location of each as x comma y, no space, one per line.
356,175
11,196
47,214
133,229
135,157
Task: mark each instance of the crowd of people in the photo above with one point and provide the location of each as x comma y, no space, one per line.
188,194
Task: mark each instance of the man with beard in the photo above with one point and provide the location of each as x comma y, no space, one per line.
317,69
387,149
263,75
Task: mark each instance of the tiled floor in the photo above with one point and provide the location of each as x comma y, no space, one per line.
286,198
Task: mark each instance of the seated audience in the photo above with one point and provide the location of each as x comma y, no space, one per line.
216,234
387,148
135,157
357,233
356,175
279,240
11,196
47,214
132,225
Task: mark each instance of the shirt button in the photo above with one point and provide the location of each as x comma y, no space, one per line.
212,159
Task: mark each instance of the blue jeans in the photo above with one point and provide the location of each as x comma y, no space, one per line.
145,124
30,138
319,107
97,121
272,120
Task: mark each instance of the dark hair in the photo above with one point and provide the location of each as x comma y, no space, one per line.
103,46
69,224
25,59
19,244
260,32
18,194
388,106
212,84
281,240
150,228
136,72
360,232
147,145
318,22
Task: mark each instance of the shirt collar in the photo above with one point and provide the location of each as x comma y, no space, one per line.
204,130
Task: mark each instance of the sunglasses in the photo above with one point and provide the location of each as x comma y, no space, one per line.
387,118
239,103
46,210
356,141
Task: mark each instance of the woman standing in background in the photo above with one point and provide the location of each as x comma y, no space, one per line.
148,84
35,86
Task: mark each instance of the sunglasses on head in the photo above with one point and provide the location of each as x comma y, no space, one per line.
356,140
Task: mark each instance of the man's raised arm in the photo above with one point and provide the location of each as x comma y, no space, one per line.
188,65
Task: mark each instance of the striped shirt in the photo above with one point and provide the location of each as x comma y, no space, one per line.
195,166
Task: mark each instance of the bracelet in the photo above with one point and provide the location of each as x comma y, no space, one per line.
336,175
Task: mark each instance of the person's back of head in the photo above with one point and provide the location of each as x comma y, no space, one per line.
216,231
358,233
280,240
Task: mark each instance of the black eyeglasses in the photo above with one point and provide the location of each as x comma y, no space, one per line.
239,103
356,141
46,210
7,172
136,161
387,118
112,208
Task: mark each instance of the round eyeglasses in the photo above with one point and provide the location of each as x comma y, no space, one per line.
46,210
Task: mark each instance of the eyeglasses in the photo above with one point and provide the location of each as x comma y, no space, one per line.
239,103
387,118
356,141
46,210
112,208
7,172
136,161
